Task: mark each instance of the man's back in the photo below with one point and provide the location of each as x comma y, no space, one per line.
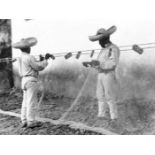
29,66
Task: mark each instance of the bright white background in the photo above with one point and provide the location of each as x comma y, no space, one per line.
116,10
72,35
67,35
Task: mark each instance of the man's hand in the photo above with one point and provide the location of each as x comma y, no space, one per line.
48,55
52,57
86,64
95,63
41,58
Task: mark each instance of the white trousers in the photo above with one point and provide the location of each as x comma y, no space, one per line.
106,94
30,100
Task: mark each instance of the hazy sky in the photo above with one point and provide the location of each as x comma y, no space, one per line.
72,35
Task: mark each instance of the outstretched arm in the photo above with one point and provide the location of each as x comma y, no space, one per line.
38,65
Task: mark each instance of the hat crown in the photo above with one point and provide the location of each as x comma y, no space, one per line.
101,31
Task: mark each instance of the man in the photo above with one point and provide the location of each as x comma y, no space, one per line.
108,60
29,69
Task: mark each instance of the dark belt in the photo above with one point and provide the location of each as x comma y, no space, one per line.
28,76
106,70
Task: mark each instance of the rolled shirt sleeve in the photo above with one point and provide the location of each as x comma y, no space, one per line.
38,65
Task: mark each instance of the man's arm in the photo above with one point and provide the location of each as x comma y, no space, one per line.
93,63
38,65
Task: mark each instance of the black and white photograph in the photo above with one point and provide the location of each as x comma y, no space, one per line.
77,77
85,78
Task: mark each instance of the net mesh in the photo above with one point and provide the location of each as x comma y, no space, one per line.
135,99
69,94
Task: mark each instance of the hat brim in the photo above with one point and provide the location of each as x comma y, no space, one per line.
107,33
25,43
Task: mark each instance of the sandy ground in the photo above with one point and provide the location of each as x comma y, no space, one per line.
11,125
135,116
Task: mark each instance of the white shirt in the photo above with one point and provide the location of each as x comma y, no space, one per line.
29,68
109,58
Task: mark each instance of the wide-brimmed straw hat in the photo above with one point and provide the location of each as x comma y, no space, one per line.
25,43
102,33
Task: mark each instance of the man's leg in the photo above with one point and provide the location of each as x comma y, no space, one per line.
24,108
102,105
113,109
32,91
109,85
32,101
102,109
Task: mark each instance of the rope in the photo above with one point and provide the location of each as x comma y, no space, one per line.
71,124
142,44
87,52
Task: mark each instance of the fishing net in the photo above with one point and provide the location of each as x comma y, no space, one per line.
74,99
69,95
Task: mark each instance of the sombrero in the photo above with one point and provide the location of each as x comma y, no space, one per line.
25,43
102,33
